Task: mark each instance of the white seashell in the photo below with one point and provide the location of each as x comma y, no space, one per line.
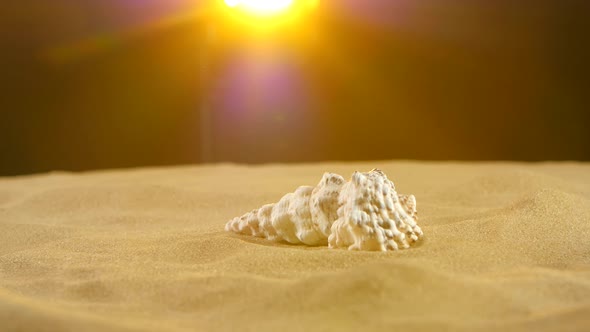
365,213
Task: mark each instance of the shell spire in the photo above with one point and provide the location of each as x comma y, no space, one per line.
365,213
304,216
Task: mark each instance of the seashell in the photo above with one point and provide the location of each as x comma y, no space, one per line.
365,213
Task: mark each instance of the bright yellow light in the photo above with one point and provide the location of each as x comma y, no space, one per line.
232,3
312,3
261,7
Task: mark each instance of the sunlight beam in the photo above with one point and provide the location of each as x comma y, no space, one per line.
260,7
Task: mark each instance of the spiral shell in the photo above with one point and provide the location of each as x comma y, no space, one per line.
365,213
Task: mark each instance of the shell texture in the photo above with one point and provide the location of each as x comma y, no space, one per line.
365,213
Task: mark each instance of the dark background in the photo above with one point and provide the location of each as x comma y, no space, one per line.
103,84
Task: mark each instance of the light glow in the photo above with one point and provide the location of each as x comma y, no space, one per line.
232,3
261,7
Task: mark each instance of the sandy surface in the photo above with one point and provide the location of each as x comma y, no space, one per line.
507,247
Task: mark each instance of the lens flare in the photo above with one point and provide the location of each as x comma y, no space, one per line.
232,3
263,7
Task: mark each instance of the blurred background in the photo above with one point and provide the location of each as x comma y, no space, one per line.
124,83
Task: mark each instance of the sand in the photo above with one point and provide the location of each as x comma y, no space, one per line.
507,247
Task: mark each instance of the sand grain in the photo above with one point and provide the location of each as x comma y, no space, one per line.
507,247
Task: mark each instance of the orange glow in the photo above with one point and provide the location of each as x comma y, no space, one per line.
266,13
261,7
